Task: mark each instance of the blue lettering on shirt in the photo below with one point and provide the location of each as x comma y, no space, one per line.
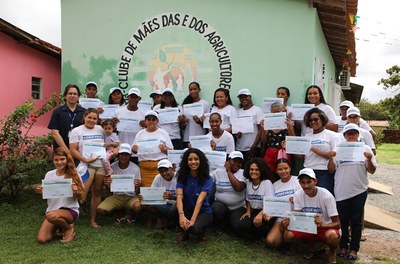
255,197
284,193
92,137
317,210
317,142
220,148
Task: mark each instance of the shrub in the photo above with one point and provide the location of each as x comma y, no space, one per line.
23,158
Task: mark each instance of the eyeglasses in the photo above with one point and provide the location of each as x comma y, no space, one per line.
352,116
311,120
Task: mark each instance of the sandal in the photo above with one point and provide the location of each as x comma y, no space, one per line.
342,253
121,220
351,257
69,238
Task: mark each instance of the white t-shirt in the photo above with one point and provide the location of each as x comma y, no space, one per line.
245,142
283,189
162,137
56,203
351,178
323,203
123,112
224,190
131,169
225,142
170,186
173,129
255,195
192,128
325,141
81,134
226,113
330,113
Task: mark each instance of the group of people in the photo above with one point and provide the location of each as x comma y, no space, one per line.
198,196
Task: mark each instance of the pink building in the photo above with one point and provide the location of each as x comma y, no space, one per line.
30,68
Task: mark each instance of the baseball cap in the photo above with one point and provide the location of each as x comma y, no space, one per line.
168,90
346,103
135,91
125,148
350,127
91,83
115,89
164,163
307,172
151,113
235,155
244,92
155,92
353,111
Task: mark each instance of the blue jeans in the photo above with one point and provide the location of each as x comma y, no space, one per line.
350,213
325,180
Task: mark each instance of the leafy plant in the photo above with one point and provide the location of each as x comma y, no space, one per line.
22,157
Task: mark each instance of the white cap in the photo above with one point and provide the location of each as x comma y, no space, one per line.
164,163
135,91
244,92
353,111
168,90
125,148
349,127
151,113
307,172
115,89
158,91
346,103
235,155
92,83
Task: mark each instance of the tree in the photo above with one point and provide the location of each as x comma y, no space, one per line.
393,80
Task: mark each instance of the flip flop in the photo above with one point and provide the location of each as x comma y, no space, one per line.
70,238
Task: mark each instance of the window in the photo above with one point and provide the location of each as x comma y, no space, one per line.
36,88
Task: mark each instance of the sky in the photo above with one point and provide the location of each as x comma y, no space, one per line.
377,40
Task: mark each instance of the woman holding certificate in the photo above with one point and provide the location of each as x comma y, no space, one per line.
193,212
193,123
82,150
351,188
223,106
323,141
253,223
170,117
151,144
61,213
221,140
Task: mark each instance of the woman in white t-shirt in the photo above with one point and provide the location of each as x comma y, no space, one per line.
193,125
61,213
87,133
223,106
285,187
221,140
151,144
351,190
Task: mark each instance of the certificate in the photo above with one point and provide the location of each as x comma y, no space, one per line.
61,188
216,159
275,121
276,206
153,195
298,110
298,145
201,142
267,102
109,111
168,115
122,183
302,222
175,156
148,146
206,122
350,151
128,124
94,149
195,109
89,102
242,124
145,106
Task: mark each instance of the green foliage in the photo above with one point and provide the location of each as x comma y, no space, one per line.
387,109
393,80
22,157
370,111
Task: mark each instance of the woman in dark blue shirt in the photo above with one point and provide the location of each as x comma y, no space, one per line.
193,212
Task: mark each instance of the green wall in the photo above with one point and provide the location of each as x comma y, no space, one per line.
270,43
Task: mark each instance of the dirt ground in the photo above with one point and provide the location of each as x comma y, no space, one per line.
379,250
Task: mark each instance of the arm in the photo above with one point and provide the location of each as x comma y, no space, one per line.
236,184
55,134
332,126
248,211
369,164
256,140
199,203
331,163
183,221
334,225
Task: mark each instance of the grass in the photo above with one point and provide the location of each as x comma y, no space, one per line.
134,243
388,154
